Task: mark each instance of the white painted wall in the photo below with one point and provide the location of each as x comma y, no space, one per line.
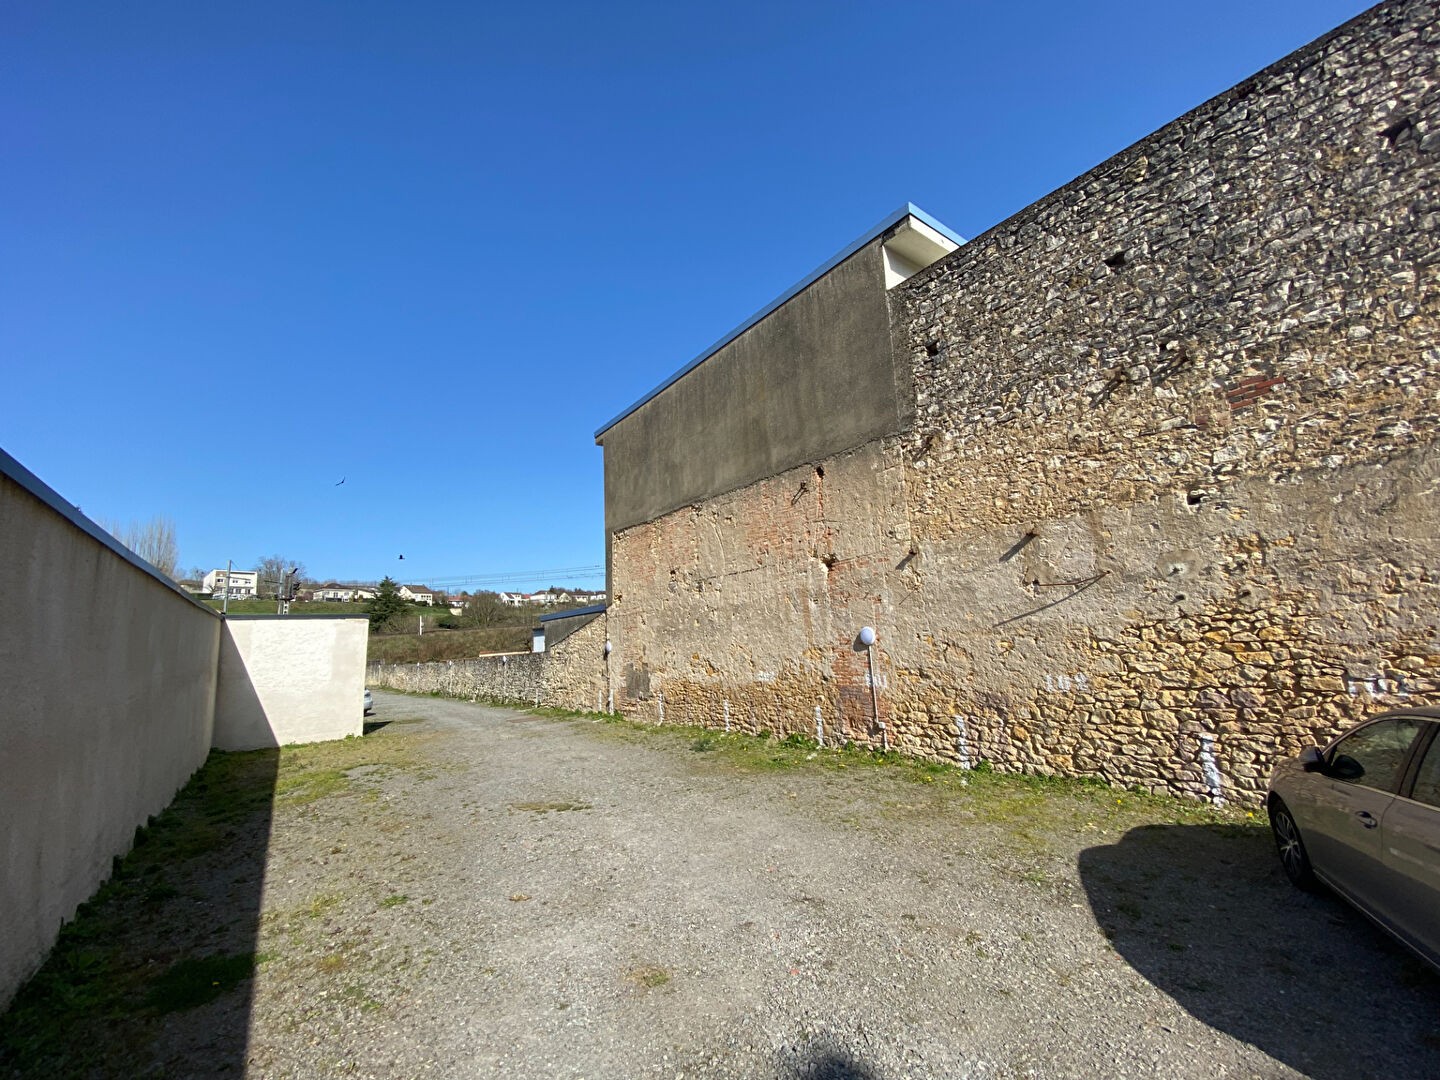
290,679
107,694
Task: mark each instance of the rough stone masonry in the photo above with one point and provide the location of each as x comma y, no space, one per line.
1162,505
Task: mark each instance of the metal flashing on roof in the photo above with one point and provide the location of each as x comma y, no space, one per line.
908,210
574,613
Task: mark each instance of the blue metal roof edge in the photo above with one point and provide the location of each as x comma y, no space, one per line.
573,613
17,472
908,210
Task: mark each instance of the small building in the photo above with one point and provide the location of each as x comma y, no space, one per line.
418,594
234,584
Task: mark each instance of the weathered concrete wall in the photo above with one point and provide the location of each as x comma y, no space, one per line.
814,377
108,674
290,680
571,675
1166,510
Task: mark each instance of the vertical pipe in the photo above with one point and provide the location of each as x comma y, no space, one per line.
875,700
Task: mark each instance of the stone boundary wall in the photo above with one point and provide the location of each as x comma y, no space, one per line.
569,675
1166,512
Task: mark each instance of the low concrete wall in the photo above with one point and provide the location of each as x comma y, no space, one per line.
289,680
569,675
108,672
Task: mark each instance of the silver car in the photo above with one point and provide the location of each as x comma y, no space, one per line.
1363,816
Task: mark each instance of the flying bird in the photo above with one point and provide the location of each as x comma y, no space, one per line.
342,480
402,556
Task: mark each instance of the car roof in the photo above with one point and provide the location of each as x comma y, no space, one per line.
1429,712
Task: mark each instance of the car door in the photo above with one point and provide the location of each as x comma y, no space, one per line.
1412,853
1351,797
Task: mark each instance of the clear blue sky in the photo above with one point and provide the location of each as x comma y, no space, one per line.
249,249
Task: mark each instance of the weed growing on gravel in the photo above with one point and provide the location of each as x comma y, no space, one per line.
394,901
648,976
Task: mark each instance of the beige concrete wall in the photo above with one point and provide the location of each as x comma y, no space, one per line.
108,677
290,680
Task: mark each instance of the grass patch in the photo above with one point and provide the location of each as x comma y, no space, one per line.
648,976
147,944
394,900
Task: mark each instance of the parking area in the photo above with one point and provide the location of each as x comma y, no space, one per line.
473,891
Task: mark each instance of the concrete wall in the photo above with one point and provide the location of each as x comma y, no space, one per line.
813,377
569,675
108,674
1165,511
290,679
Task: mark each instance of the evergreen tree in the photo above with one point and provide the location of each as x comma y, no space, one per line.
387,605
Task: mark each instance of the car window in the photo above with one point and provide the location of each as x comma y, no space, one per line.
1427,780
1372,756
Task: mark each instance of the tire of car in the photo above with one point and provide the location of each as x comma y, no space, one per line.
1291,847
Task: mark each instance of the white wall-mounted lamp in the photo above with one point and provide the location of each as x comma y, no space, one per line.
867,636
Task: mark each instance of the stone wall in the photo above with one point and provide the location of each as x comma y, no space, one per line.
1167,508
571,675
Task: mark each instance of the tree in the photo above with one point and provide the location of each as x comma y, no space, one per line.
387,606
272,570
486,609
153,541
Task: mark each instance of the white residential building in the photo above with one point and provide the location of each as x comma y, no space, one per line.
237,584
417,594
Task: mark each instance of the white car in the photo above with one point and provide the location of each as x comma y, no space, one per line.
369,702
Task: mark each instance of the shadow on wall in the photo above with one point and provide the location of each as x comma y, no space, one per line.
153,976
1204,913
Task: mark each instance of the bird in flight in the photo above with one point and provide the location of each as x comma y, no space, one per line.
402,556
342,480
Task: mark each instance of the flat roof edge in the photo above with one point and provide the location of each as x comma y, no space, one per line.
26,479
908,210
573,613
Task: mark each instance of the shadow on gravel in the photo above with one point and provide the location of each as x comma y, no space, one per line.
1204,913
827,1063
153,976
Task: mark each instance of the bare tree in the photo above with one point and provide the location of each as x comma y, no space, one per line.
153,541
273,568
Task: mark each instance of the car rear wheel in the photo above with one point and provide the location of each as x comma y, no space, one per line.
1293,857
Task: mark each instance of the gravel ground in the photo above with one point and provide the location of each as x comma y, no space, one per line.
490,893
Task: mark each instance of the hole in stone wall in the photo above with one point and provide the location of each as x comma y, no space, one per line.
1116,261
819,472
1398,130
1179,597
1194,498
829,561
933,349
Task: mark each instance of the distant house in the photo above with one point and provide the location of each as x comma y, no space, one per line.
336,593
512,599
417,594
235,584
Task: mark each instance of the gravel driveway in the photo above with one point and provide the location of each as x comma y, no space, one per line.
498,894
